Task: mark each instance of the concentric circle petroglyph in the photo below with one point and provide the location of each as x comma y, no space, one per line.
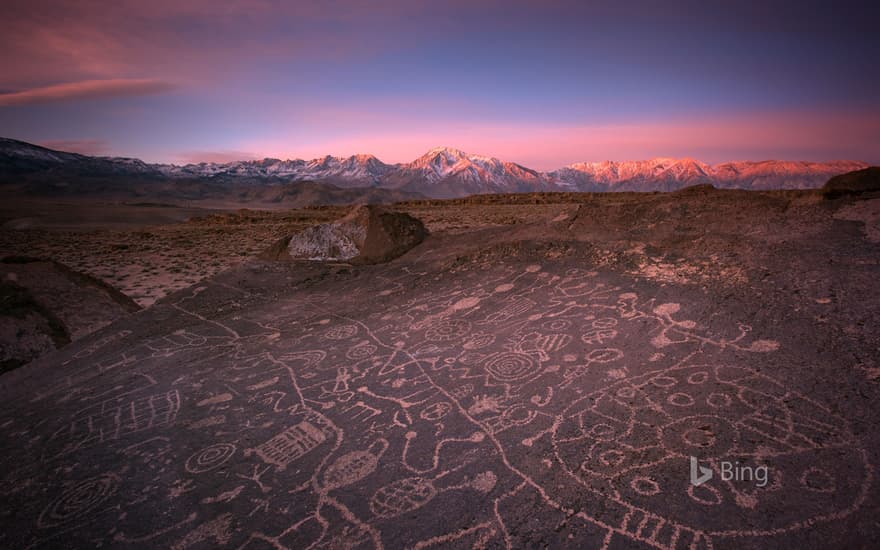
79,500
361,351
510,366
210,457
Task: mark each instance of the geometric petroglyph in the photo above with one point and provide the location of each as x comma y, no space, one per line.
354,466
403,495
78,500
341,332
447,330
641,431
118,417
510,366
209,458
293,443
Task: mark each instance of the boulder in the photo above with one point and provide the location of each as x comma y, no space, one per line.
853,183
368,234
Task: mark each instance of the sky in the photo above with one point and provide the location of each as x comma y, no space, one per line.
543,84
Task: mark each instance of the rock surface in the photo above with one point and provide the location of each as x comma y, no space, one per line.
535,384
46,305
853,183
368,234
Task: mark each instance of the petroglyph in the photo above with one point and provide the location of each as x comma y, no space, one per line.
79,500
354,466
115,418
209,458
511,398
293,443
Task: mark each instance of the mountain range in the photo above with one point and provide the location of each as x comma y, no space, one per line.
440,173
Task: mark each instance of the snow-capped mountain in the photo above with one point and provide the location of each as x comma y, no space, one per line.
353,171
443,172
666,174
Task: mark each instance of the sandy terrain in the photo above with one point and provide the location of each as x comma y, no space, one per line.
579,374
148,252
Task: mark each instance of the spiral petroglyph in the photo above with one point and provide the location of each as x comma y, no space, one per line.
79,500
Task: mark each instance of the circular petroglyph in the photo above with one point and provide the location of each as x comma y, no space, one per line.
448,329
403,495
680,399
644,429
341,332
644,485
361,351
209,458
78,500
703,435
556,324
718,400
510,366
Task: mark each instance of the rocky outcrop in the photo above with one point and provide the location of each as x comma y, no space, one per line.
46,305
368,234
853,183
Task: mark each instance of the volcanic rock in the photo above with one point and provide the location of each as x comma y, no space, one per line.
368,234
853,183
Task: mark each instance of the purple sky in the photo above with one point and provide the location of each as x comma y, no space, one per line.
541,83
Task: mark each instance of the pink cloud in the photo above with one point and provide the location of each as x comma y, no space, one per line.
86,89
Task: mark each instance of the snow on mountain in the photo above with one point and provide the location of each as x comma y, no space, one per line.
446,172
356,170
442,172
665,174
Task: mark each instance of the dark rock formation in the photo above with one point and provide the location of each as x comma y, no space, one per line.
366,235
853,183
45,305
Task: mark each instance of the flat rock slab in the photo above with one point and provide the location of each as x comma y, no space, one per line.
516,401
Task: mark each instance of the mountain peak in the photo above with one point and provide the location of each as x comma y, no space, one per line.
446,151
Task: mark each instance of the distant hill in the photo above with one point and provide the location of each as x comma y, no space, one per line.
441,173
